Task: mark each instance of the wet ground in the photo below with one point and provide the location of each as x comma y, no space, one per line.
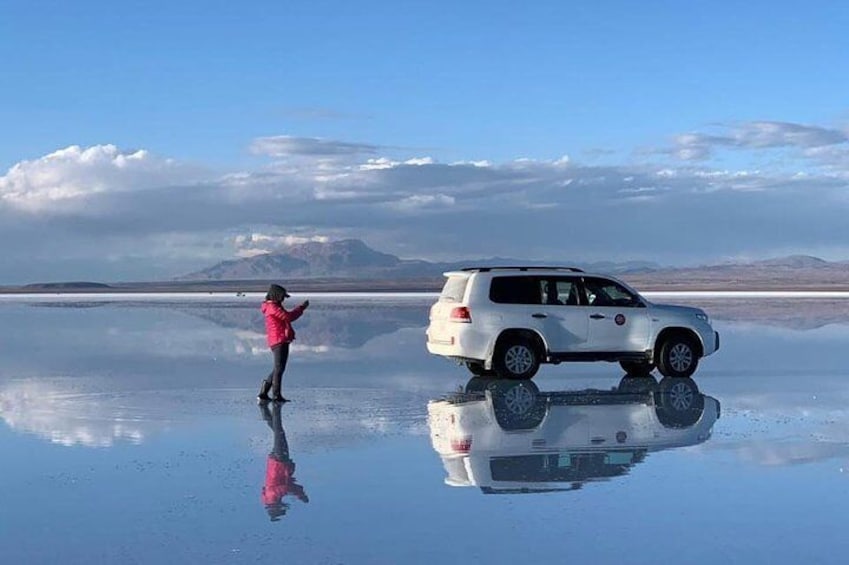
129,433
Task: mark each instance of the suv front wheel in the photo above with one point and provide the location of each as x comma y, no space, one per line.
678,357
516,358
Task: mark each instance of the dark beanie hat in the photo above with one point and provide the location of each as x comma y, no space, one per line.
276,293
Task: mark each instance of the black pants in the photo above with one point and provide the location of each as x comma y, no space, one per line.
280,449
275,377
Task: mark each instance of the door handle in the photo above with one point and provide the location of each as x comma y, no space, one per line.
597,316
539,315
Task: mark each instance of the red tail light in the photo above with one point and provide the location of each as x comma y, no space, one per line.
461,314
461,444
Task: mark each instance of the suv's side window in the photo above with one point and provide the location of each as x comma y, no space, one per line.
603,292
516,290
560,290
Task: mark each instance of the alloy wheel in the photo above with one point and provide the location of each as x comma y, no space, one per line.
681,357
519,400
680,396
519,359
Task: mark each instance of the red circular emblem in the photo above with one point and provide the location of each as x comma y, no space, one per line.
619,319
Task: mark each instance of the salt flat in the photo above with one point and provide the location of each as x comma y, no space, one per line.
129,431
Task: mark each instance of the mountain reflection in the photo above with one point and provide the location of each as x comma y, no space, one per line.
343,314
347,325
509,437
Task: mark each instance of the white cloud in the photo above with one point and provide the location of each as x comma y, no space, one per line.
416,161
482,163
382,163
424,201
131,212
52,181
287,145
757,135
249,245
378,164
785,134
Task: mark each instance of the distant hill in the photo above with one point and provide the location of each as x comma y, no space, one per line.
344,259
796,272
350,266
66,286
795,262
353,259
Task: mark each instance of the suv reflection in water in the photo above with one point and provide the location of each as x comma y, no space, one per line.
506,436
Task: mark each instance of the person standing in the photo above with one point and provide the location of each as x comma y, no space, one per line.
279,333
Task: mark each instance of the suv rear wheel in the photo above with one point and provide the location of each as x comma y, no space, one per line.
516,358
678,357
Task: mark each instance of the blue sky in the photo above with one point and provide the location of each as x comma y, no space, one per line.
203,89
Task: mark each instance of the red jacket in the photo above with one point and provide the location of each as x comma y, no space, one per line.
278,322
279,482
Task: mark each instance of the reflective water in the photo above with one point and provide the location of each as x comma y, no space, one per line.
130,434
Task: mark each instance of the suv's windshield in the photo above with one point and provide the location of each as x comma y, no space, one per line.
454,289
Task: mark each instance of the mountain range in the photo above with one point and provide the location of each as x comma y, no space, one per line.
352,260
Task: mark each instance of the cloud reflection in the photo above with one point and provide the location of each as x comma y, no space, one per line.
59,413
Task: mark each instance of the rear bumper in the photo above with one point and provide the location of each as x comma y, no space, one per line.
463,342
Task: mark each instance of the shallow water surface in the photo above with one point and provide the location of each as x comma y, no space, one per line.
130,434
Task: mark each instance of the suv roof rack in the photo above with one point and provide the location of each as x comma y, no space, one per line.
523,268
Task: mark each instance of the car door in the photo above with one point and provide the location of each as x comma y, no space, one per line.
530,302
565,322
618,319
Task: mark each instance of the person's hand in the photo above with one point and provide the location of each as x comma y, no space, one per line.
306,304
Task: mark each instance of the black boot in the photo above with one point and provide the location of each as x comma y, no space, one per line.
263,391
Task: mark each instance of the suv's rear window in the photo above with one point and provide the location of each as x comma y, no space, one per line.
516,290
454,289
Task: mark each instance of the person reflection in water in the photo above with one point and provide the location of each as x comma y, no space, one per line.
280,469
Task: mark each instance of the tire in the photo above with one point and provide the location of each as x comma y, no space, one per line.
516,358
637,385
477,369
678,357
679,404
637,368
517,405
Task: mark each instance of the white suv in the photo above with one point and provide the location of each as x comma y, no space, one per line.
506,321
